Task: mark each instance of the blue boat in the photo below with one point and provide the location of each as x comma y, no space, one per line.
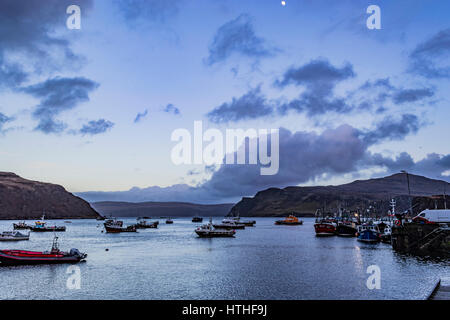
368,232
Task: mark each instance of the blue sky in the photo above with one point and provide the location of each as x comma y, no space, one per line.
94,109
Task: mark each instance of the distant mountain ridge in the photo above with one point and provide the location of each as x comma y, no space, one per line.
160,209
306,200
26,199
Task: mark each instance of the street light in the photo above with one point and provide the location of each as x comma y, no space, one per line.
409,189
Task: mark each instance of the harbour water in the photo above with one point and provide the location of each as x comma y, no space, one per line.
171,262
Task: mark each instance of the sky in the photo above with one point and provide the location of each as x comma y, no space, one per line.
93,109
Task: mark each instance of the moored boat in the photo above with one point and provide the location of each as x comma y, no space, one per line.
229,225
14,236
117,229
237,220
197,219
208,231
346,229
169,221
143,224
290,221
21,226
325,228
54,256
369,233
41,226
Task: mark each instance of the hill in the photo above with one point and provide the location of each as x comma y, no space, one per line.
25,199
160,209
306,200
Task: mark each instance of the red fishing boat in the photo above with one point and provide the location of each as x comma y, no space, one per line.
325,228
54,256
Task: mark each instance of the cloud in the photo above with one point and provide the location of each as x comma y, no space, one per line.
238,37
27,30
96,127
140,116
429,58
4,120
58,95
249,106
170,108
392,129
319,78
138,12
412,95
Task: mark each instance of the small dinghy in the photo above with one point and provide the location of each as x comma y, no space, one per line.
197,219
14,236
208,231
54,256
169,221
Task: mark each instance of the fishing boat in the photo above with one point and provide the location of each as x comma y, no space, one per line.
115,226
143,224
21,226
229,225
324,226
289,221
197,219
208,231
368,232
54,256
169,221
14,236
237,220
41,226
346,229
386,235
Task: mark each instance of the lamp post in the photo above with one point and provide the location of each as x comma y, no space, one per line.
409,190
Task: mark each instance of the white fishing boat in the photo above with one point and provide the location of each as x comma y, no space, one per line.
208,231
14,236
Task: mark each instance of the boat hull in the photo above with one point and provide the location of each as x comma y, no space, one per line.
343,230
48,229
34,258
229,227
324,229
114,229
21,227
286,223
368,236
214,234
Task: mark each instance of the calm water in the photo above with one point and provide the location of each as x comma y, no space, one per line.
264,262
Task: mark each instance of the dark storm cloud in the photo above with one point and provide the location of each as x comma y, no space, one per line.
27,28
58,95
430,58
170,108
433,165
140,116
237,37
251,105
142,11
392,129
96,127
319,78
